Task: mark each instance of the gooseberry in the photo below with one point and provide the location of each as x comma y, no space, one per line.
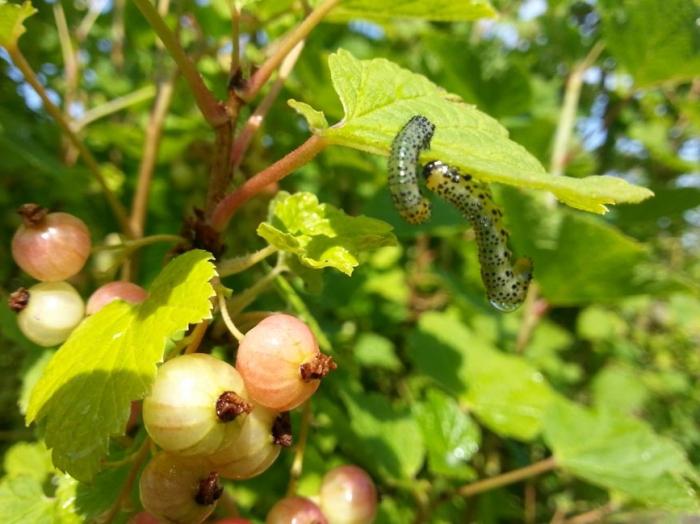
281,363
112,291
198,404
295,510
348,496
50,246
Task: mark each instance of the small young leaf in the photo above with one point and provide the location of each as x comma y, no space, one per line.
320,234
439,10
622,454
84,396
316,119
12,17
451,436
379,97
28,458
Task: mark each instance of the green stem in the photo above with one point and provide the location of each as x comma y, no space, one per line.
31,78
300,448
505,479
208,105
248,296
131,245
567,118
303,154
114,105
140,457
236,265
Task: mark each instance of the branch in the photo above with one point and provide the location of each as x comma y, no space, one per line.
240,146
29,75
261,76
208,105
511,477
301,155
567,118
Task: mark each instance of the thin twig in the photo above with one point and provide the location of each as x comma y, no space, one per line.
227,318
567,118
117,54
208,105
31,78
154,133
595,515
235,38
196,337
505,479
240,146
89,20
248,296
141,455
261,76
286,165
131,245
299,449
238,264
113,106
534,309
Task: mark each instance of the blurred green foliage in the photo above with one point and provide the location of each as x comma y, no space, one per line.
434,389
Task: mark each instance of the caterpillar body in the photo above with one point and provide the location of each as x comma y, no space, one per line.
413,138
506,281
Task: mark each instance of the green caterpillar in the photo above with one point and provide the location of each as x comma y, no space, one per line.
506,281
403,166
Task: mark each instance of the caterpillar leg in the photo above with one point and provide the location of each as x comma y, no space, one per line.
403,167
506,281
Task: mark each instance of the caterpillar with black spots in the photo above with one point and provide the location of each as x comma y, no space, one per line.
506,281
404,168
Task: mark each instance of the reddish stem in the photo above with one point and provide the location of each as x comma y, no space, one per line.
286,165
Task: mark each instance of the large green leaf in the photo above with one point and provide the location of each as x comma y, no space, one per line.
657,41
379,97
621,454
85,394
442,10
12,17
451,437
381,436
322,235
507,394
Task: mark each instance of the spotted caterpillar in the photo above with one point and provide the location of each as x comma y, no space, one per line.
413,138
506,281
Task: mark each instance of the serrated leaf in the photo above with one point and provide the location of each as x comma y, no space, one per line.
503,391
439,10
621,454
322,235
451,436
22,500
379,97
316,119
85,394
12,17
656,41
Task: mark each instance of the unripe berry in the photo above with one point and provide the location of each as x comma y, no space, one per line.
295,510
143,517
176,492
236,520
50,247
348,496
280,362
112,291
255,447
198,404
52,311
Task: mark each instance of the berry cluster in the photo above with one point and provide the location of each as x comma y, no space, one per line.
213,420
53,247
